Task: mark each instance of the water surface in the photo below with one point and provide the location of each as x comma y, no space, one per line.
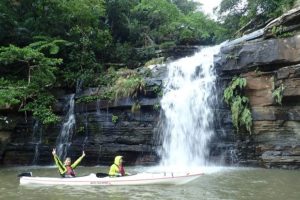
217,184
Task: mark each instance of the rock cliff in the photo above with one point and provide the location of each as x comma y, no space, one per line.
269,62
103,129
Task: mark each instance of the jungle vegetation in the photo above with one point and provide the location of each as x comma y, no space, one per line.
49,44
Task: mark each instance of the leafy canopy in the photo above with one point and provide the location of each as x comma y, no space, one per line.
30,74
58,43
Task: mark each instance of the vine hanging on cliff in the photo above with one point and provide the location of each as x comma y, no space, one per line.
278,94
239,104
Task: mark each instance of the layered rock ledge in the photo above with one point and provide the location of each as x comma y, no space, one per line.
267,64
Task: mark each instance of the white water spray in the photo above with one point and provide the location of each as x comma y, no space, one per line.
64,139
187,107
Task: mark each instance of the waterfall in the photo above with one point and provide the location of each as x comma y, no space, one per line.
36,140
64,139
189,93
98,111
79,84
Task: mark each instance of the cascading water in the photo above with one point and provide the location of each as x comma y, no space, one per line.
98,111
187,109
36,140
65,136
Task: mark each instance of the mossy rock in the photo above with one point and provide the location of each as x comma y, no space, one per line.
155,61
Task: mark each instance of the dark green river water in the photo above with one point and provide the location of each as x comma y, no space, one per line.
217,184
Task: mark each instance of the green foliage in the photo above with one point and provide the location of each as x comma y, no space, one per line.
38,68
156,13
87,99
237,13
45,114
51,45
76,25
119,84
235,87
163,21
11,93
128,84
119,18
167,45
287,34
108,78
232,56
34,74
157,90
186,6
89,36
155,61
246,118
128,87
146,72
47,44
81,61
114,119
196,28
136,107
157,106
145,53
41,108
80,130
106,82
239,104
278,31
278,94
241,115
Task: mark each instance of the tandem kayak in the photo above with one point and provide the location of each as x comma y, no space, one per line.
137,179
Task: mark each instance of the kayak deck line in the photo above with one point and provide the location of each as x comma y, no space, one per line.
91,179
67,179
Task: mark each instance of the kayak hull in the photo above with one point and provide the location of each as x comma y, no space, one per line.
92,179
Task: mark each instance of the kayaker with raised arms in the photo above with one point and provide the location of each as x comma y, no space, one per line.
117,168
66,170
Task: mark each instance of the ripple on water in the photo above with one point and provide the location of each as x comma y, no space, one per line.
217,183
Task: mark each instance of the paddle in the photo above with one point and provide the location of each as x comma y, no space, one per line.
101,175
25,174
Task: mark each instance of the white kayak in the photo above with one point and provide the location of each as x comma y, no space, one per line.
137,179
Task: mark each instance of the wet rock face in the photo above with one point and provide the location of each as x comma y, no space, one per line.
103,129
180,51
4,140
267,65
131,135
265,55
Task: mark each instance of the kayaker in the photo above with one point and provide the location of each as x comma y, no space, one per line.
117,168
67,169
